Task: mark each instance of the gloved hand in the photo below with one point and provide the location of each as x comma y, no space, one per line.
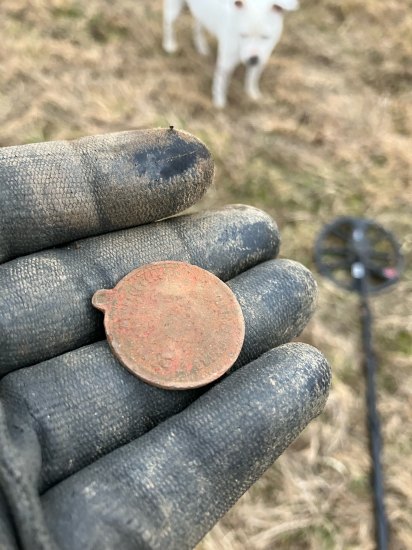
91,457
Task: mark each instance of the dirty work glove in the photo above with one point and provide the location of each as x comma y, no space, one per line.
90,456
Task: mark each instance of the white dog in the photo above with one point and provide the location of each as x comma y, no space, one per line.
246,30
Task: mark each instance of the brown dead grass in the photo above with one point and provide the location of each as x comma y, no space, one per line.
332,136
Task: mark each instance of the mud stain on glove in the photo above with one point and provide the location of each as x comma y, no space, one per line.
53,193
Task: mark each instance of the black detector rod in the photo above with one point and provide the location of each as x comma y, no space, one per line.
359,255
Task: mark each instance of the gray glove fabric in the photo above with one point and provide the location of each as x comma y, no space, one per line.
90,456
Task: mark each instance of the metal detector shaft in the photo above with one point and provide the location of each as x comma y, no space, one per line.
375,439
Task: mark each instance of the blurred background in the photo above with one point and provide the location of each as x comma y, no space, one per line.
332,136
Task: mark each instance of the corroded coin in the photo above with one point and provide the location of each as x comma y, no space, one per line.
173,324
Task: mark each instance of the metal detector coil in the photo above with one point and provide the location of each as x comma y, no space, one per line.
348,245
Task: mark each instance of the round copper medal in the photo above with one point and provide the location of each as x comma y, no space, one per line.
173,324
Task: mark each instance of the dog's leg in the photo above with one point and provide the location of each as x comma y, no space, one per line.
227,60
220,84
171,11
200,39
253,73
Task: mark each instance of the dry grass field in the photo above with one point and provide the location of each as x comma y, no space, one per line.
332,136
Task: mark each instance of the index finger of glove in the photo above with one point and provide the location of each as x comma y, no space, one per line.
45,303
56,192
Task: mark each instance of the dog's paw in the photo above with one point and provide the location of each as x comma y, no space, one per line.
201,44
255,94
203,48
219,102
170,46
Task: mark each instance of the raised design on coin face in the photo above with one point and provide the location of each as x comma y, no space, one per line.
173,324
